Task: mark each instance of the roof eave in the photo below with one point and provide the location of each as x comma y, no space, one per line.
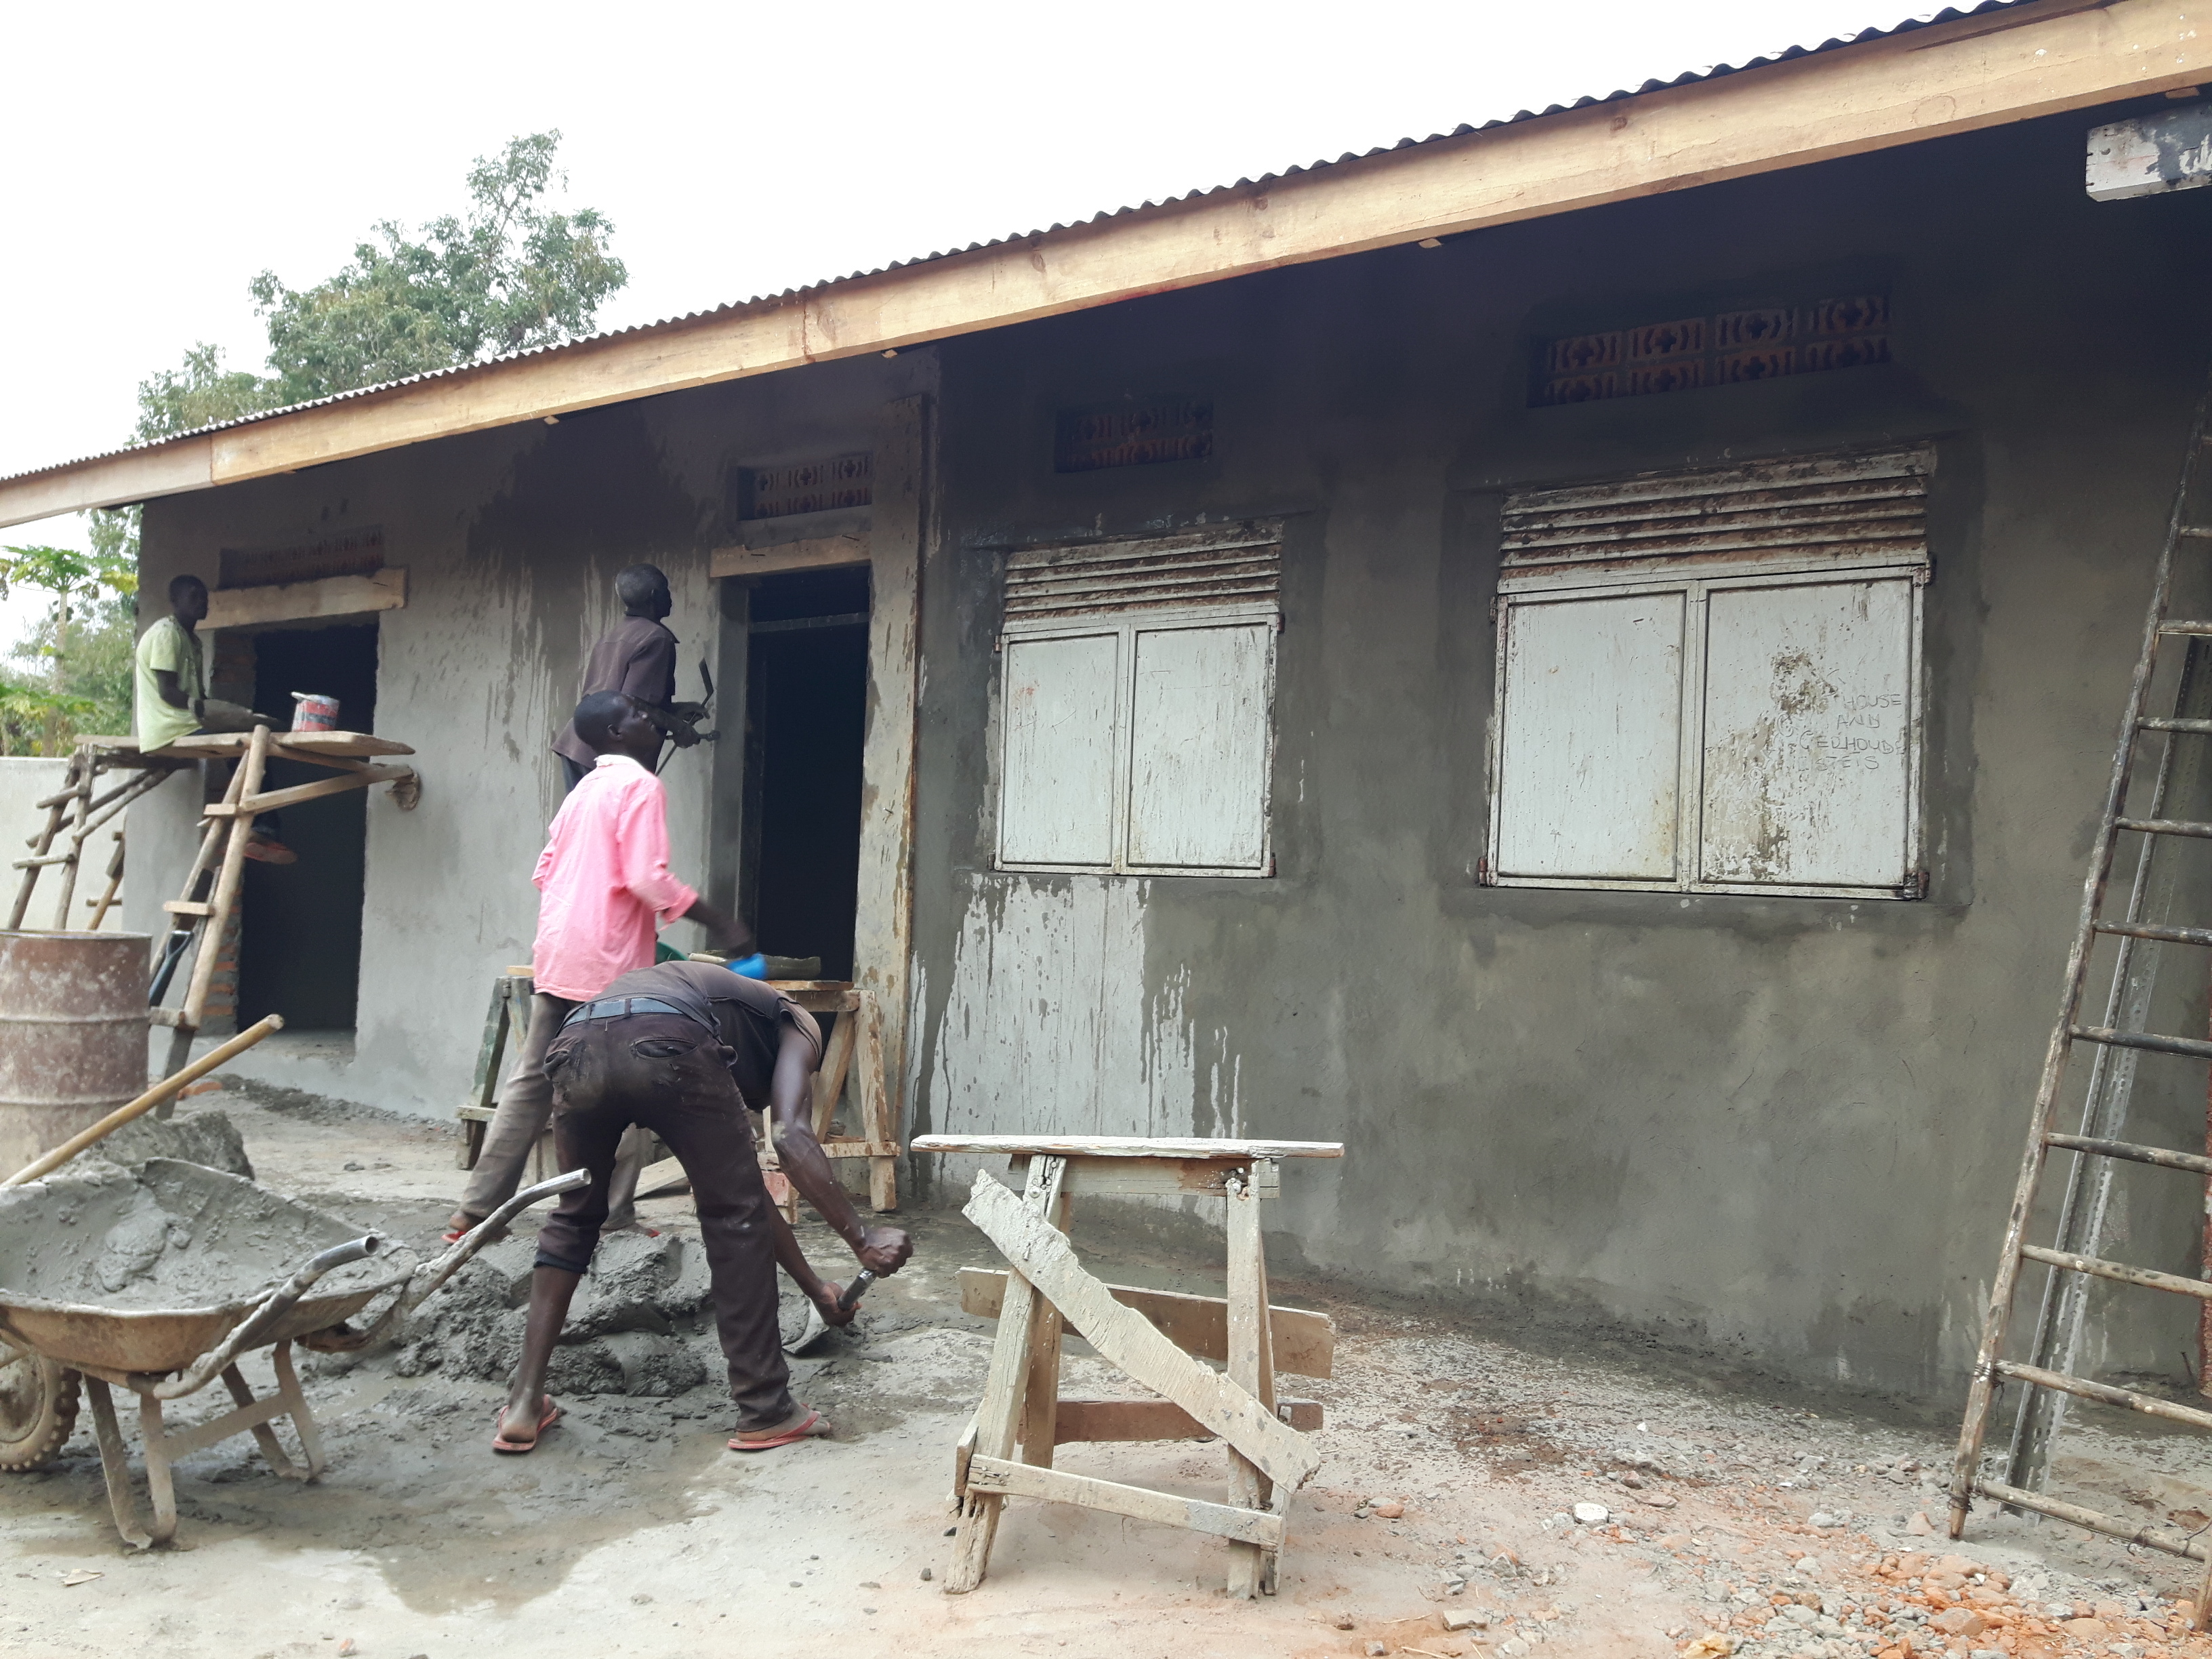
1970,74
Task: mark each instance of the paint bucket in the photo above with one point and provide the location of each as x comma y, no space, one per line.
315,713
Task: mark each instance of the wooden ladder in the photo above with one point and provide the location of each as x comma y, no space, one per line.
2153,803
73,813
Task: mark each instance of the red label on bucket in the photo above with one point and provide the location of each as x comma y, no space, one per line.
315,713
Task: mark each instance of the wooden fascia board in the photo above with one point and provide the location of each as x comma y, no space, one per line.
135,475
1972,74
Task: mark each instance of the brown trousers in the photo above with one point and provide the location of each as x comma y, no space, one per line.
670,1074
524,1106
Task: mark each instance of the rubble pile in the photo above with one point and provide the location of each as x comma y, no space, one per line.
1914,1603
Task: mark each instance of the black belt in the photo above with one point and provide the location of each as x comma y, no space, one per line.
615,1007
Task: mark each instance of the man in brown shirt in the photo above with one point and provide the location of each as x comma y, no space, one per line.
683,1048
637,657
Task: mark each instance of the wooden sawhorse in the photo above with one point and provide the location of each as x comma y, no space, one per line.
506,1023
855,1049
1157,1340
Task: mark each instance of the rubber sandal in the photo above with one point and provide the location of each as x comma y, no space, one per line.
813,1428
546,1419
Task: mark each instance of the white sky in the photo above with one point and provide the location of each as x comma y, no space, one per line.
153,159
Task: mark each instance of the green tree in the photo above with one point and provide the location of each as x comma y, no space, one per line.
78,655
200,393
508,276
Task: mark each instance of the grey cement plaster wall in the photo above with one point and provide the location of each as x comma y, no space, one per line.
512,540
1784,1127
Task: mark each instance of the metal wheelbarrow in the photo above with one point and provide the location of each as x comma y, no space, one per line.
189,1265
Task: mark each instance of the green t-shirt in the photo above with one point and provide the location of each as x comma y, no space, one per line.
166,645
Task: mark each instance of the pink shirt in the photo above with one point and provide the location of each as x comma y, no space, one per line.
603,881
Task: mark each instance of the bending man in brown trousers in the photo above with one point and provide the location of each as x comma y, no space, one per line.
682,1049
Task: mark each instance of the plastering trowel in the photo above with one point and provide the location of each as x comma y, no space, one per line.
796,1313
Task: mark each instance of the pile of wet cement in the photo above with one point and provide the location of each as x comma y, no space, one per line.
205,1137
641,1322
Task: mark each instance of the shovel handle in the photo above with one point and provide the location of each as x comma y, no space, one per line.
174,1084
427,1279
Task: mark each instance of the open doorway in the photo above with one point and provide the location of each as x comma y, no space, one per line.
807,715
299,934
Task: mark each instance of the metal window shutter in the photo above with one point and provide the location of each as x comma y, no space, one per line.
1590,759
1199,745
1866,508
1061,715
1045,585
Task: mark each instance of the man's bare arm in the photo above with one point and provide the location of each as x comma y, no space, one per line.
793,1260
673,723
171,688
724,931
885,1250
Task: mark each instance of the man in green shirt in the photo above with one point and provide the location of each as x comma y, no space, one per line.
170,698
171,682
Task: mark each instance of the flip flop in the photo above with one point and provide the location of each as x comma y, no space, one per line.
810,1428
546,1419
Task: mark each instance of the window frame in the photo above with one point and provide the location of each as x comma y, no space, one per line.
1567,582
1127,625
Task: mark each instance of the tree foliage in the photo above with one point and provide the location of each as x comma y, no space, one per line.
506,276
200,393
77,660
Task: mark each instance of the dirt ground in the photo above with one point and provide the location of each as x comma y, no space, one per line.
1736,1516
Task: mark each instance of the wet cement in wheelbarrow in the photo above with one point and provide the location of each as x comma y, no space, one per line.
169,1235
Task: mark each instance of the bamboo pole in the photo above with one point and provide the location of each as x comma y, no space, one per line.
174,1084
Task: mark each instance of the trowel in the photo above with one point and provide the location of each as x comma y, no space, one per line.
810,1329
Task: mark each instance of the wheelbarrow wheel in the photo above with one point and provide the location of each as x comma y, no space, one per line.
37,1409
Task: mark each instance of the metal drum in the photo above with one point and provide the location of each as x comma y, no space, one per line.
72,1035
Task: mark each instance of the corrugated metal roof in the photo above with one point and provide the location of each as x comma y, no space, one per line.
1689,77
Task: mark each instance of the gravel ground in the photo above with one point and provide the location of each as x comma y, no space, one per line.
1484,1489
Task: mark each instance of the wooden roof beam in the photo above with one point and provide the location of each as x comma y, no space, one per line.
1972,74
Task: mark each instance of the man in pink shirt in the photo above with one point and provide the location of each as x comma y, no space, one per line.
604,887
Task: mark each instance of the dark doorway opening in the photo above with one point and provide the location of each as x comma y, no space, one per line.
299,930
807,715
